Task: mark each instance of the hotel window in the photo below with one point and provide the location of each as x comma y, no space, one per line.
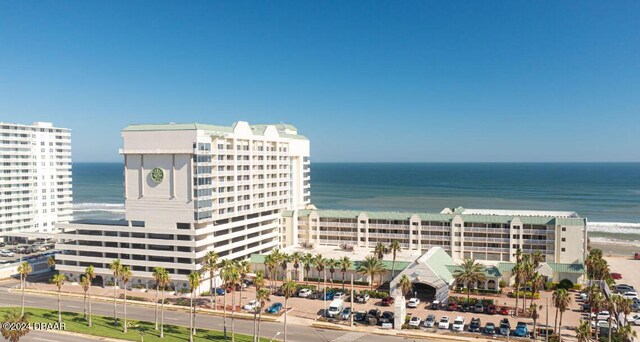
563,249
564,239
564,229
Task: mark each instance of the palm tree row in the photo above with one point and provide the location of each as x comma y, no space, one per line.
525,272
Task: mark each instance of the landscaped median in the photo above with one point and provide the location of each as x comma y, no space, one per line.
131,300
138,330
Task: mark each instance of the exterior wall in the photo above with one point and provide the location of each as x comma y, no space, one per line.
36,179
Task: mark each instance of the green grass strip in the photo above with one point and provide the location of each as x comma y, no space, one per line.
103,326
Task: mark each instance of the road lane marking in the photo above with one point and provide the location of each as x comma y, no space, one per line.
352,336
45,339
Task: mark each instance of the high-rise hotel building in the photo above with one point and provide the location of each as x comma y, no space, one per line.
35,178
190,189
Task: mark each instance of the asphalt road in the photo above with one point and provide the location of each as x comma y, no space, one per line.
299,333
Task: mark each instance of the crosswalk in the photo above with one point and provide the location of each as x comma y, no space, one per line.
352,336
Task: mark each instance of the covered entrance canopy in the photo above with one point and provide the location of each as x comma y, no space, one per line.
429,274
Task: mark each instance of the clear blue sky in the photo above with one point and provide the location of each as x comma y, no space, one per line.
365,81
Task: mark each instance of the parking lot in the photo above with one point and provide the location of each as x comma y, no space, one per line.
10,252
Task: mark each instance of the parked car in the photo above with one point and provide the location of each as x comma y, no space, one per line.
430,321
435,305
362,298
634,319
387,317
452,306
327,296
630,295
444,323
478,308
521,330
220,291
583,296
464,307
458,324
373,315
252,305
586,307
543,332
360,316
340,295
346,313
602,316
304,293
491,309
635,307
490,329
505,327
388,301
413,303
475,325
274,308
616,276
415,321
504,310
2,244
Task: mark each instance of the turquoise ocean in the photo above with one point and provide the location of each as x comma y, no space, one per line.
607,194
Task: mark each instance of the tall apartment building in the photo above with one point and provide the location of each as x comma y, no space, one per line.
480,234
35,178
192,188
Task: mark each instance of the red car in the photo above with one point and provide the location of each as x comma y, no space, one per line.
452,306
616,276
504,310
387,301
491,310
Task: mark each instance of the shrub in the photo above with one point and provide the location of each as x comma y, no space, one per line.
565,284
548,286
577,287
502,283
138,286
109,283
184,290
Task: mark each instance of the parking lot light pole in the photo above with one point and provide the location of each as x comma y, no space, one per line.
546,334
352,306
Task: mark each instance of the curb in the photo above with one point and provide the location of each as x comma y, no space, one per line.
97,338
170,307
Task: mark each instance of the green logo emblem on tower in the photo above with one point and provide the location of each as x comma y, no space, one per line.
157,175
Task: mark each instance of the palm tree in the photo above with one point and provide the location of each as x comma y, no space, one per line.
125,277
85,282
14,335
533,310
527,270
288,289
211,266
194,282
561,300
244,267
51,262
537,282
116,267
405,284
283,260
597,301
277,259
583,331
157,274
226,267
271,264
231,277
295,258
537,257
24,270
162,282
262,296
470,274
379,250
517,273
319,263
371,266
345,264
259,281
90,273
394,247
332,264
627,333
58,280
307,261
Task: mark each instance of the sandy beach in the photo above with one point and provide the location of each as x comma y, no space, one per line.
618,249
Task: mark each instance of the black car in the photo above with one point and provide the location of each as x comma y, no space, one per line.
586,307
464,307
360,316
475,325
387,317
373,314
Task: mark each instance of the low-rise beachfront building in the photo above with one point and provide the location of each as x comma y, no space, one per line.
191,189
480,234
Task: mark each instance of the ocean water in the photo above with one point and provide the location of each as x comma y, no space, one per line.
608,194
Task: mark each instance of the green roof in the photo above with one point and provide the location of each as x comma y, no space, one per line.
287,213
567,268
504,267
490,271
475,218
388,264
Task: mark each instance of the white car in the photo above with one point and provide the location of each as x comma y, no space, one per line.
602,316
583,296
363,298
458,324
430,321
630,295
444,323
252,305
603,324
413,303
304,293
339,295
634,319
415,321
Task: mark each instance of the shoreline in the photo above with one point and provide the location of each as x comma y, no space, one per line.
618,249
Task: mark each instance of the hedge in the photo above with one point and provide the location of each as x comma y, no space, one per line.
472,301
521,293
